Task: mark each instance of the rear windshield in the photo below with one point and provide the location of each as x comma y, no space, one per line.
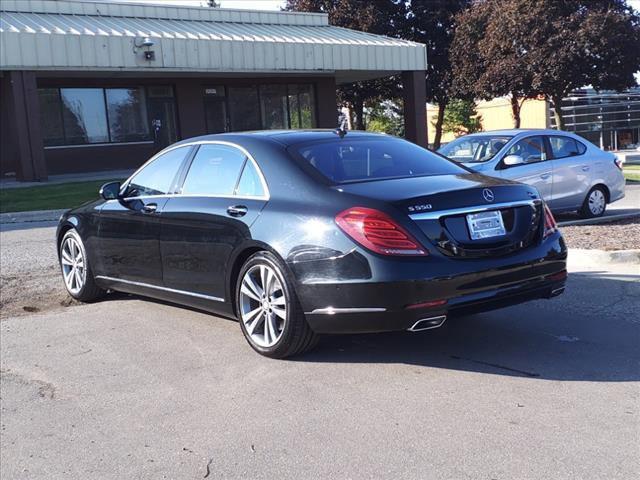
345,161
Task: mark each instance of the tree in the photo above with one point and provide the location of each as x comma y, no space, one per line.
461,117
432,22
213,4
526,48
386,117
380,17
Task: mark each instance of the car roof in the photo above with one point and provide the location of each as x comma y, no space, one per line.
286,137
520,131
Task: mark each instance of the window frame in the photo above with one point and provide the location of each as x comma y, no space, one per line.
248,158
578,144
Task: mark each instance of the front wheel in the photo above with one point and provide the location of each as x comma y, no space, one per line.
595,204
270,314
76,270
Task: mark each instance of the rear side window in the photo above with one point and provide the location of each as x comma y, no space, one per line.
214,171
344,160
250,184
157,177
563,147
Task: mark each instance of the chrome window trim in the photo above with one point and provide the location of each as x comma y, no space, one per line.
102,144
156,287
479,208
193,195
263,181
333,311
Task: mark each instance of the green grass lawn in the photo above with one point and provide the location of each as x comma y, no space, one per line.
632,172
48,197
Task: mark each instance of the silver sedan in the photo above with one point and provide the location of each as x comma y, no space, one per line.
570,173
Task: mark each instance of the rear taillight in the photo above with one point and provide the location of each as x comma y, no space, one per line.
550,225
378,232
618,162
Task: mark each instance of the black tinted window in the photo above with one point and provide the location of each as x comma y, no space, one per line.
214,171
157,177
344,160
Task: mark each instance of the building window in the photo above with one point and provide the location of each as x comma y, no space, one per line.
270,106
127,110
84,116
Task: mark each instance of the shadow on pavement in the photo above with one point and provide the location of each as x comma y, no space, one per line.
587,334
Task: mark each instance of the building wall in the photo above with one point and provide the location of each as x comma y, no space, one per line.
496,115
188,102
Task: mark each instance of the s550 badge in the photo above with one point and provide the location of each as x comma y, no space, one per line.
420,208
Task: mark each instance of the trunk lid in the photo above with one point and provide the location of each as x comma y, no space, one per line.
440,205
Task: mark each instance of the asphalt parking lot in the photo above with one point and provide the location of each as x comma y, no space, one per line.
131,388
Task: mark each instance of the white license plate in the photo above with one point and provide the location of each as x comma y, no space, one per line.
485,225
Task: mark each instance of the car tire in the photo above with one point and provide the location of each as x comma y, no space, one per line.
594,204
273,323
76,270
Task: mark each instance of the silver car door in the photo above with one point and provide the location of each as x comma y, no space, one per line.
572,171
536,169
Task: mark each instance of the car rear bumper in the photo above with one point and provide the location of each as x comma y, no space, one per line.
397,304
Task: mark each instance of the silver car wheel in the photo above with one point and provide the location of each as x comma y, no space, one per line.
73,265
263,305
597,202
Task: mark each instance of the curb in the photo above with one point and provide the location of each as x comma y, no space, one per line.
599,258
34,216
599,220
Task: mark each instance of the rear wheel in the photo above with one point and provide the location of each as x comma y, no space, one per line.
595,204
76,271
270,314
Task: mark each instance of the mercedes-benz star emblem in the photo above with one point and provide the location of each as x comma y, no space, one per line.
488,195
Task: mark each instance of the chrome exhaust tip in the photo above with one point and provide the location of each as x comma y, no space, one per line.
556,292
428,323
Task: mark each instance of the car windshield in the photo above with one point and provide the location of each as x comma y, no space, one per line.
474,148
354,160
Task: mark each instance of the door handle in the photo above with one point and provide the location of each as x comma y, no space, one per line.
237,210
150,208
545,176
585,168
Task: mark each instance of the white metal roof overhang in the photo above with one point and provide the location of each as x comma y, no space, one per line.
89,36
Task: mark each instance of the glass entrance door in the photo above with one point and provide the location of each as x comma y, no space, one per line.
162,116
215,109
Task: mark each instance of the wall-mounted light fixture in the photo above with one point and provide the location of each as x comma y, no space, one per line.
146,43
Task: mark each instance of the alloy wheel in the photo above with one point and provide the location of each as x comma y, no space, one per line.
263,305
597,202
73,265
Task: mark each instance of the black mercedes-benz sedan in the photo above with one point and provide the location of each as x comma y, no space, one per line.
301,233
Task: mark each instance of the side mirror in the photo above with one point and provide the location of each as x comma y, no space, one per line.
512,160
110,191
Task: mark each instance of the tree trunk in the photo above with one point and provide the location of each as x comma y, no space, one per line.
439,120
557,111
358,112
515,111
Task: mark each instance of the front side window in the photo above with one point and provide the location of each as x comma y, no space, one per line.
563,147
344,160
531,150
157,178
214,171
474,148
